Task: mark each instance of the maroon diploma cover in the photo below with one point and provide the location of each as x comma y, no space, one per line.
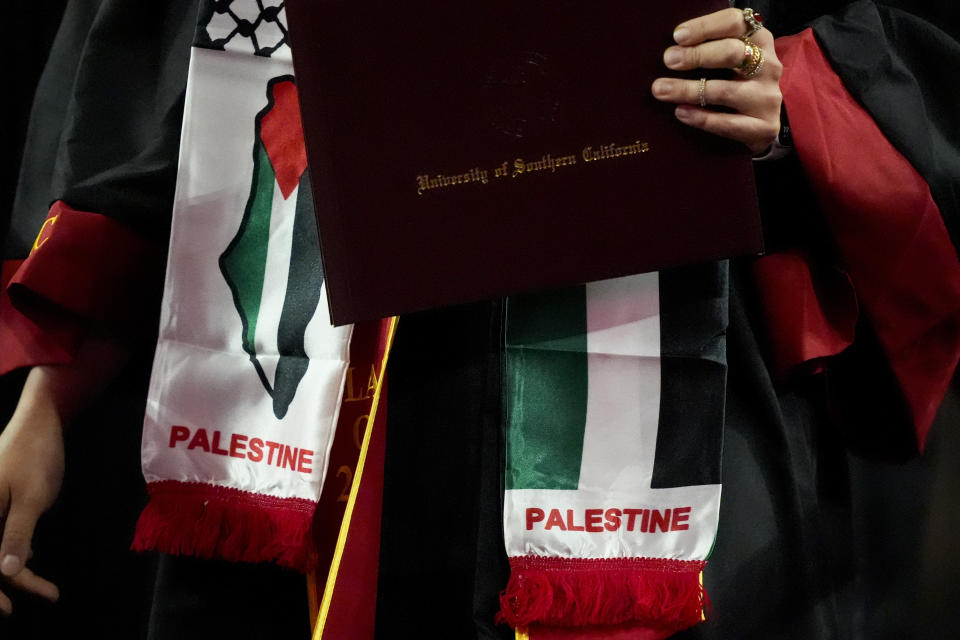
465,150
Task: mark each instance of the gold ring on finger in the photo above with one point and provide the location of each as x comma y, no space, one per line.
700,91
752,60
753,20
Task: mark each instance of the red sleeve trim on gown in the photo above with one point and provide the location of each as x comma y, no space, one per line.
84,270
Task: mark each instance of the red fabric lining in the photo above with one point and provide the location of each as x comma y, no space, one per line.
886,226
644,593
24,342
809,316
208,521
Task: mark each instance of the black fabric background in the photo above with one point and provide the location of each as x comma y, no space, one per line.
814,542
693,321
30,31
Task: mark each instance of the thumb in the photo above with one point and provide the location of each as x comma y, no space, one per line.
17,534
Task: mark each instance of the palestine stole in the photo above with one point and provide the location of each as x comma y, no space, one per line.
614,400
249,373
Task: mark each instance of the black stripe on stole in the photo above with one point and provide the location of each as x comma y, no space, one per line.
304,281
693,350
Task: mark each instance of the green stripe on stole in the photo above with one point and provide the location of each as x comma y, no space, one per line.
245,261
546,383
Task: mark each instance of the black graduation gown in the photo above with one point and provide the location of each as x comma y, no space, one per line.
813,543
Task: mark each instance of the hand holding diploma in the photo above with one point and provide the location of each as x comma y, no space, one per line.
728,39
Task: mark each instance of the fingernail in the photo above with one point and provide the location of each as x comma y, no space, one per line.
672,57
680,35
662,87
684,113
10,565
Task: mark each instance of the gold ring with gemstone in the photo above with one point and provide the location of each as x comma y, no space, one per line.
753,20
752,60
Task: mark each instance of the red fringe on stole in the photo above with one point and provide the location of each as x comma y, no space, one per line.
209,521
576,592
